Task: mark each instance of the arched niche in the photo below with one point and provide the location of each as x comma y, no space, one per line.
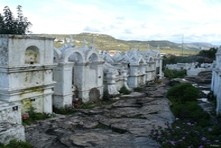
32,55
150,62
150,59
73,55
141,61
76,57
92,59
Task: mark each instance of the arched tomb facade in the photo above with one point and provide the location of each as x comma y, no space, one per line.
26,67
79,74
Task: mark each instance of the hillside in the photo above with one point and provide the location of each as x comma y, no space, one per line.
107,42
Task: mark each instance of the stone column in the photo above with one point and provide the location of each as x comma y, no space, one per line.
143,71
112,90
133,76
80,81
218,98
161,72
216,87
48,104
100,78
213,79
125,76
63,89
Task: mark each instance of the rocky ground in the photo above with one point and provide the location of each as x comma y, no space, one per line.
124,123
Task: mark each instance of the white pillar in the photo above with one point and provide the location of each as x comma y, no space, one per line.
133,76
63,89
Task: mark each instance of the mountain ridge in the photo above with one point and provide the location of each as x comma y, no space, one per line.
107,42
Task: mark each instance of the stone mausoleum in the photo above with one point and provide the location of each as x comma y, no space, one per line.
26,70
79,74
34,74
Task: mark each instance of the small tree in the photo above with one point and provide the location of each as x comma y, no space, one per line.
11,25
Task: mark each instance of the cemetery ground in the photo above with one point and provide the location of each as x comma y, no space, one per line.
125,121
137,120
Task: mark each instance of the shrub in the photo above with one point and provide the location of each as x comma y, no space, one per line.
192,127
186,135
124,90
31,116
190,111
174,73
183,93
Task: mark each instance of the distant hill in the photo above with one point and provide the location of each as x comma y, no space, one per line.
107,42
199,45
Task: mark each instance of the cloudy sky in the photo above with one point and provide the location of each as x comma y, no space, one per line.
197,20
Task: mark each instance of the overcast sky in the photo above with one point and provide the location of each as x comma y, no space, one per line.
197,20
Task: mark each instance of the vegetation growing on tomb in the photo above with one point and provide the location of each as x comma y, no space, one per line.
11,25
16,144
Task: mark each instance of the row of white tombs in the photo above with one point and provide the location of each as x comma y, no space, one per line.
35,74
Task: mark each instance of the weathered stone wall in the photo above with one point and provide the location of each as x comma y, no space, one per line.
10,112
26,65
216,80
10,122
10,131
3,50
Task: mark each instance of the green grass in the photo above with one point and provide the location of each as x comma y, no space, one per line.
34,116
16,144
64,111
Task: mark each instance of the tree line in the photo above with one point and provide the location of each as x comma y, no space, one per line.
11,25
